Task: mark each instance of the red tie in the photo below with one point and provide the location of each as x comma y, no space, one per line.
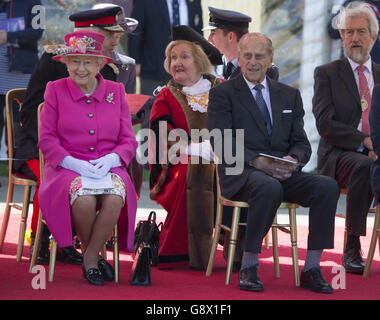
365,95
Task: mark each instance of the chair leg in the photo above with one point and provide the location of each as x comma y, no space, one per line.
293,239
53,256
37,242
24,218
116,254
233,241
266,241
276,261
372,247
214,247
4,225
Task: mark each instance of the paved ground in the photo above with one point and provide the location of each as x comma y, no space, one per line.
145,205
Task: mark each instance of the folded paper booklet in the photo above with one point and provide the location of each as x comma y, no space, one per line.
278,158
102,183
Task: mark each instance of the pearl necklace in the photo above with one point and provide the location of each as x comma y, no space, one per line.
91,91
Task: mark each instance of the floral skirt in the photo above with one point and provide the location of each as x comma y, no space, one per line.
76,190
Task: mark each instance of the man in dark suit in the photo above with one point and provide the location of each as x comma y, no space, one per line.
271,115
341,104
147,45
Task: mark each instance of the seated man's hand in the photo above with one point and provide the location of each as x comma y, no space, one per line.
367,143
277,169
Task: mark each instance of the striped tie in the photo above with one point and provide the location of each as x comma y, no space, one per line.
263,108
365,95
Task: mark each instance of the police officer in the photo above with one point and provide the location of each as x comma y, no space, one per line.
226,29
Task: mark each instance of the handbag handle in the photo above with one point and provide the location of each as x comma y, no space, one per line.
152,217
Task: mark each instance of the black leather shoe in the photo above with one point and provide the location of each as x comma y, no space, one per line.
248,280
313,280
93,276
106,270
353,261
69,255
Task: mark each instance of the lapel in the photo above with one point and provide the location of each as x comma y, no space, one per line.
244,95
376,73
346,75
235,73
164,9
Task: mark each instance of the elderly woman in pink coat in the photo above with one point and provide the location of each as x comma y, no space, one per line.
87,140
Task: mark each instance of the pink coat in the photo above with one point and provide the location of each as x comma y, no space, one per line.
85,128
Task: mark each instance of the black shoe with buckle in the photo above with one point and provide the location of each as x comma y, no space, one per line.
106,270
93,276
249,281
313,280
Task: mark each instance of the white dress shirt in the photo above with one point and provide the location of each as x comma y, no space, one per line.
368,74
264,91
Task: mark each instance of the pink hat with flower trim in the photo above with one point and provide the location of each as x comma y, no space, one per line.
80,43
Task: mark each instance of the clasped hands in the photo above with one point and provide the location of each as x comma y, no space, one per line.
277,169
95,169
368,144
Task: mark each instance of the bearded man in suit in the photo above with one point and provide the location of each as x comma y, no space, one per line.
271,115
341,105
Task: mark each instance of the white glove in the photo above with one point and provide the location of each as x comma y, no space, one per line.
104,164
82,167
203,150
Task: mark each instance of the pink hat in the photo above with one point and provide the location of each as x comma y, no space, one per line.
80,43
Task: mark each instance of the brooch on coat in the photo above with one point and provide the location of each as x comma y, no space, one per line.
109,98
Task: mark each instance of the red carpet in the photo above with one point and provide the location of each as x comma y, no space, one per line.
184,284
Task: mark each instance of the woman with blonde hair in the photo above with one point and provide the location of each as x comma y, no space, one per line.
184,188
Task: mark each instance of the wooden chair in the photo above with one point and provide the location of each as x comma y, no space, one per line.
290,228
13,179
54,246
372,247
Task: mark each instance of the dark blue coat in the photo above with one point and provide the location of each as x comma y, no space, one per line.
148,43
23,51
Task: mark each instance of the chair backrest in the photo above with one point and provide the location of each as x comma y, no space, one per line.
41,156
12,95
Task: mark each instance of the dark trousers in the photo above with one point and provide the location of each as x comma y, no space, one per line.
353,173
265,194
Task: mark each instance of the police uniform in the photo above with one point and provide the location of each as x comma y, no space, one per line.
233,20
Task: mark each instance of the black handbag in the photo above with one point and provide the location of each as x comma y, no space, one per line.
141,266
146,241
147,231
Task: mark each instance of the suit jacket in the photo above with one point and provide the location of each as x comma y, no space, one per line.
374,120
337,109
148,43
232,106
